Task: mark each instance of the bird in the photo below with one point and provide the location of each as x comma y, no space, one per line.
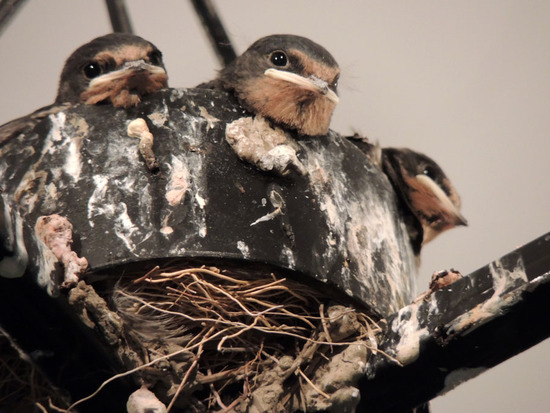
425,189
431,202
287,79
116,68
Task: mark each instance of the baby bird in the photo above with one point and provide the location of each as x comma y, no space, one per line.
422,186
425,189
117,68
287,79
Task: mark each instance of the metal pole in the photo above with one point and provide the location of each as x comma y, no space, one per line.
8,8
120,20
215,31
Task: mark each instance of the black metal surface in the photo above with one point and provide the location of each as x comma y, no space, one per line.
339,224
472,325
215,31
8,9
120,20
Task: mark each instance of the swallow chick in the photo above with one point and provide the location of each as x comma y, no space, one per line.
425,189
117,68
287,79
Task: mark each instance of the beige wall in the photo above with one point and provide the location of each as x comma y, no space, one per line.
465,81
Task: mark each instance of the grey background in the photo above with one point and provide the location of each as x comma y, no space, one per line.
466,82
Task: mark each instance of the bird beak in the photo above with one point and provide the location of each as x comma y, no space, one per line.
127,70
448,209
312,83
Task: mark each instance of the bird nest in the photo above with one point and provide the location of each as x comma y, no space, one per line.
204,340
212,340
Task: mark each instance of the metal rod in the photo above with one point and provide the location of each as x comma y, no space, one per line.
120,20
484,318
215,31
8,8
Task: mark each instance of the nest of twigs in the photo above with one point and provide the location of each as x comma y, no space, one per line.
214,340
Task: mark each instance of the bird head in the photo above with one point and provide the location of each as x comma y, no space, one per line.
118,68
426,190
288,79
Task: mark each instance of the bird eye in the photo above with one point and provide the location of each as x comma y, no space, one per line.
334,84
155,57
279,59
92,70
429,172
